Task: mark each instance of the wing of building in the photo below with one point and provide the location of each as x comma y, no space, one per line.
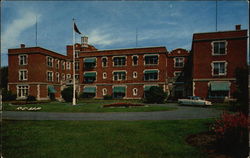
206,71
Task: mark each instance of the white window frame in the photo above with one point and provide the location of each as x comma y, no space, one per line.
225,68
133,64
106,62
57,77
119,77
63,65
22,88
22,61
48,76
212,44
50,61
63,76
77,52
68,76
119,57
104,75
135,74
77,65
158,74
57,63
77,77
104,91
68,65
144,58
135,91
21,76
181,60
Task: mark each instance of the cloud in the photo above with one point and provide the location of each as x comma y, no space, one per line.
10,37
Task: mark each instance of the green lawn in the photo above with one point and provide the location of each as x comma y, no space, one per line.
100,139
89,106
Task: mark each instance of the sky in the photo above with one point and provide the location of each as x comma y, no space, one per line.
113,24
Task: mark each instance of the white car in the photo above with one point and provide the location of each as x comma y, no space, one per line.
193,100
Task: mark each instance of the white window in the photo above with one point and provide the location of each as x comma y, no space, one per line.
50,76
77,76
63,77
135,91
57,77
68,76
179,62
104,91
104,75
50,61
134,60
77,53
119,76
119,61
68,65
63,65
219,47
23,75
177,73
134,74
77,67
22,91
151,59
104,62
57,64
219,68
23,59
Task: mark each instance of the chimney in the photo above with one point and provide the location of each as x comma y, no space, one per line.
22,45
238,27
84,41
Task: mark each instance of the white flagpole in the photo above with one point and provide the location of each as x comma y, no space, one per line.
74,86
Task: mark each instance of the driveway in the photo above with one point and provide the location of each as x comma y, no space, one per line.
183,112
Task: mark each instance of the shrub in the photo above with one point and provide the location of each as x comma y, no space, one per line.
52,96
31,98
8,95
87,95
231,132
122,105
67,94
155,95
107,97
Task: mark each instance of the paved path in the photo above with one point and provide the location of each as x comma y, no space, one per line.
182,112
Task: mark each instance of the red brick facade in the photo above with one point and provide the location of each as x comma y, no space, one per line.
127,73
216,56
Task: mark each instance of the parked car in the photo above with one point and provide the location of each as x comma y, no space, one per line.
193,100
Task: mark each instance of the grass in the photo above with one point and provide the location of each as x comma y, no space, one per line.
89,105
101,139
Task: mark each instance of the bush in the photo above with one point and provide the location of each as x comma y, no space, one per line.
231,132
52,96
31,98
155,95
8,95
107,97
67,94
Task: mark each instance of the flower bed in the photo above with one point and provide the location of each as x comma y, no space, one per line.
28,108
121,105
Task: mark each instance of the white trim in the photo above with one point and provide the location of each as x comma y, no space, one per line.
119,71
106,61
47,61
123,56
212,68
212,44
47,75
135,91
57,77
135,74
144,61
38,92
133,60
193,88
17,90
182,59
158,77
19,59
63,64
104,91
104,75
19,75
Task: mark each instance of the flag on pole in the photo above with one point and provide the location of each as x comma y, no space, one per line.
76,29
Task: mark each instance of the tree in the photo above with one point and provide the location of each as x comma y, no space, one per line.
4,77
241,93
155,95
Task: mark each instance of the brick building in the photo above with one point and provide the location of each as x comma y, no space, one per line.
207,70
215,57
